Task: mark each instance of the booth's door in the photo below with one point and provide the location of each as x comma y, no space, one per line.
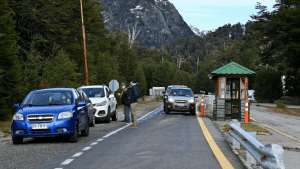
235,99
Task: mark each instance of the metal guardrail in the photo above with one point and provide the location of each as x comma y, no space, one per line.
269,156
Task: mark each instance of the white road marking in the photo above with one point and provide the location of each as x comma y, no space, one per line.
99,139
68,161
86,148
114,132
77,154
94,143
58,168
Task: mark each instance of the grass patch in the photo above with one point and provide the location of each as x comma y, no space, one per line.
150,103
5,126
287,111
291,148
250,128
279,104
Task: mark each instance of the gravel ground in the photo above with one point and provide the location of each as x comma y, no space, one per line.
34,152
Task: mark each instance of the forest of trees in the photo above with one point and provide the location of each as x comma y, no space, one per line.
41,46
268,44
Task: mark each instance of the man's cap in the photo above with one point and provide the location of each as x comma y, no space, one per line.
122,84
133,80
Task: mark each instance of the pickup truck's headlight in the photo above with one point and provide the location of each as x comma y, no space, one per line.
101,104
166,97
171,100
65,115
191,101
18,117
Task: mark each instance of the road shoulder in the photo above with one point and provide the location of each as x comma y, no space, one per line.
222,143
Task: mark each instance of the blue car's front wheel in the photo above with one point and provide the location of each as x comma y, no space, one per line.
17,140
74,137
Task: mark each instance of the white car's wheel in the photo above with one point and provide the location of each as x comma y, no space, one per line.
115,116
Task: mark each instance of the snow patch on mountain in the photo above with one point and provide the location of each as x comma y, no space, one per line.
200,33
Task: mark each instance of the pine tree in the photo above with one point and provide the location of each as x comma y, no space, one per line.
140,77
59,70
9,70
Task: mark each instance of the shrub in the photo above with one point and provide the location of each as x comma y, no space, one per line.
280,104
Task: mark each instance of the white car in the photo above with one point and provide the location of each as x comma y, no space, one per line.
104,102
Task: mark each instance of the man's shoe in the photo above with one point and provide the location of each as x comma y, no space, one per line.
133,126
124,120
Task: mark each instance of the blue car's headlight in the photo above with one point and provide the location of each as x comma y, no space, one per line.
65,115
101,104
18,116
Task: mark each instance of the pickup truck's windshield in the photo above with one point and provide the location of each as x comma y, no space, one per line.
181,92
94,92
48,97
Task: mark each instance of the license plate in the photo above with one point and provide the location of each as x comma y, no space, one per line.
39,126
181,105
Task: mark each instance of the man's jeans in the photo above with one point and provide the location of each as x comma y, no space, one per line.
126,110
133,113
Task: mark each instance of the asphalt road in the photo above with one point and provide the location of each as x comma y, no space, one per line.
35,152
160,141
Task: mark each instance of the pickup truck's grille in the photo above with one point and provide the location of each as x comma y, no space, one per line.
40,118
180,101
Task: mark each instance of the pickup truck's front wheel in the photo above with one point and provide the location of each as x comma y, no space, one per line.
167,111
193,112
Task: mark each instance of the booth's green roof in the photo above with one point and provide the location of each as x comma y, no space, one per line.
233,69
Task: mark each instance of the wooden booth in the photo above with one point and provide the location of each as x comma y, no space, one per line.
231,91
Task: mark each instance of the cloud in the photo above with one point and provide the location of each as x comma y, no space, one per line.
268,3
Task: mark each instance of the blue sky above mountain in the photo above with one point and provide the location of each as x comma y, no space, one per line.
211,14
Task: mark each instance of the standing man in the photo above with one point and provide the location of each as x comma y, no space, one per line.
125,101
133,100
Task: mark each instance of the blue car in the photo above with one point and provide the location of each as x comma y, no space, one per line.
51,112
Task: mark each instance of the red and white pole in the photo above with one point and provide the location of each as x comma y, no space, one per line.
246,119
202,106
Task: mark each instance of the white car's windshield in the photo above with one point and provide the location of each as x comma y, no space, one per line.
48,97
181,92
94,92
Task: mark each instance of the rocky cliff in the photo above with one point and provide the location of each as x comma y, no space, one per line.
158,20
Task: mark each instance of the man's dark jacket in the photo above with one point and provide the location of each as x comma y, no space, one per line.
134,93
125,96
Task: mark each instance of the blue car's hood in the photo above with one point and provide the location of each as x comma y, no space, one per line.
45,109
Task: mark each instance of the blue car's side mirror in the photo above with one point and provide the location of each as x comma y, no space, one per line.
16,106
81,103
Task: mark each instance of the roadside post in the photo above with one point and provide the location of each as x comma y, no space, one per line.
246,120
114,85
202,105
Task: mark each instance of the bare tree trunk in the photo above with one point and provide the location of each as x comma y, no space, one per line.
132,35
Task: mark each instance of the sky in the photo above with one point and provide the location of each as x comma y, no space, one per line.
211,14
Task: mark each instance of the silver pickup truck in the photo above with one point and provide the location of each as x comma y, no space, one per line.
181,99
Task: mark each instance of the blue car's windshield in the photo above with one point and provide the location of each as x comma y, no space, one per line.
181,92
94,92
48,97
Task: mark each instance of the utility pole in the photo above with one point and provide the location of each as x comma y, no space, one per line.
84,47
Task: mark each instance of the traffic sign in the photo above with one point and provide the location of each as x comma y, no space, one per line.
114,85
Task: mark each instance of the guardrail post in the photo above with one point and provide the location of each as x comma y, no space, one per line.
249,158
202,106
269,156
235,143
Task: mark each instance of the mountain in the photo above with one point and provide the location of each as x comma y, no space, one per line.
159,21
200,33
